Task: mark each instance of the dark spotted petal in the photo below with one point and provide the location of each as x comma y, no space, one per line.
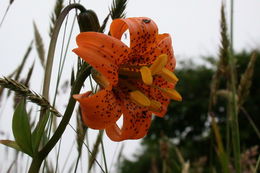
143,32
136,122
99,110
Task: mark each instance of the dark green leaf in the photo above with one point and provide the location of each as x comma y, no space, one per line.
21,129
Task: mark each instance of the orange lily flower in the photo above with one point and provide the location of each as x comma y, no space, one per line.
135,81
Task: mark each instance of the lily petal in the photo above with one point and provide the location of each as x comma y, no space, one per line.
101,64
164,46
99,110
143,32
108,47
136,122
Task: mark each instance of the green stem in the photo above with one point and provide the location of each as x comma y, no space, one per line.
83,74
50,57
37,160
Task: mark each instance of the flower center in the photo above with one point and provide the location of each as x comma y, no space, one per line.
146,75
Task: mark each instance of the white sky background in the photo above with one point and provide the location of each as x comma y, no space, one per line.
193,25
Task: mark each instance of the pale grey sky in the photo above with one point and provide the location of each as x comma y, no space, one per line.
193,25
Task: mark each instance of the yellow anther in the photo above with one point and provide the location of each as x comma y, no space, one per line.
146,75
173,94
168,75
155,106
159,63
139,98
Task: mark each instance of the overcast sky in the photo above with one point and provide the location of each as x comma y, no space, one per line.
193,25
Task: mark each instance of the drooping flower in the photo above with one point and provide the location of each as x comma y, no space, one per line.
135,82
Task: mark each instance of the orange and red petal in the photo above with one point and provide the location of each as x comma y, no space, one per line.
164,46
95,59
143,32
136,121
108,47
99,110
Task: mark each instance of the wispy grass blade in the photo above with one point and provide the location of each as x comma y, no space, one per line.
24,91
57,10
6,11
222,66
21,66
118,9
220,148
95,150
104,24
246,81
81,131
29,75
39,45
104,155
257,167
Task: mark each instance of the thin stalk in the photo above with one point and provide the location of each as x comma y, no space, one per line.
37,160
257,164
233,111
231,23
104,155
83,74
50,57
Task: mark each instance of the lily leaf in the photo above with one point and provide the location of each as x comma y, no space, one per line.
38,132
21,129
11,144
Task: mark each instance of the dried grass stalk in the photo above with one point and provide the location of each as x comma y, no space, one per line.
222,68
57,10
246,81
24,91
95,149
39,45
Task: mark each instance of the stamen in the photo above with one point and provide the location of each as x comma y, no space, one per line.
159,63
155,106
146,75
99,78
173,94
128,73
139,98
168,75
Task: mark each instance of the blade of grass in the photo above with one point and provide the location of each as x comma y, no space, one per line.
118,9
39,45
95,150
257,164
104,155
6,11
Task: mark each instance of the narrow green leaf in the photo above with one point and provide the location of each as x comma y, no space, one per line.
38,132
21,129
11,144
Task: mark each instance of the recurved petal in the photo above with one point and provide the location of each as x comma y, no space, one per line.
107,47
96,59
164,46
136,122
143,32
99,110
